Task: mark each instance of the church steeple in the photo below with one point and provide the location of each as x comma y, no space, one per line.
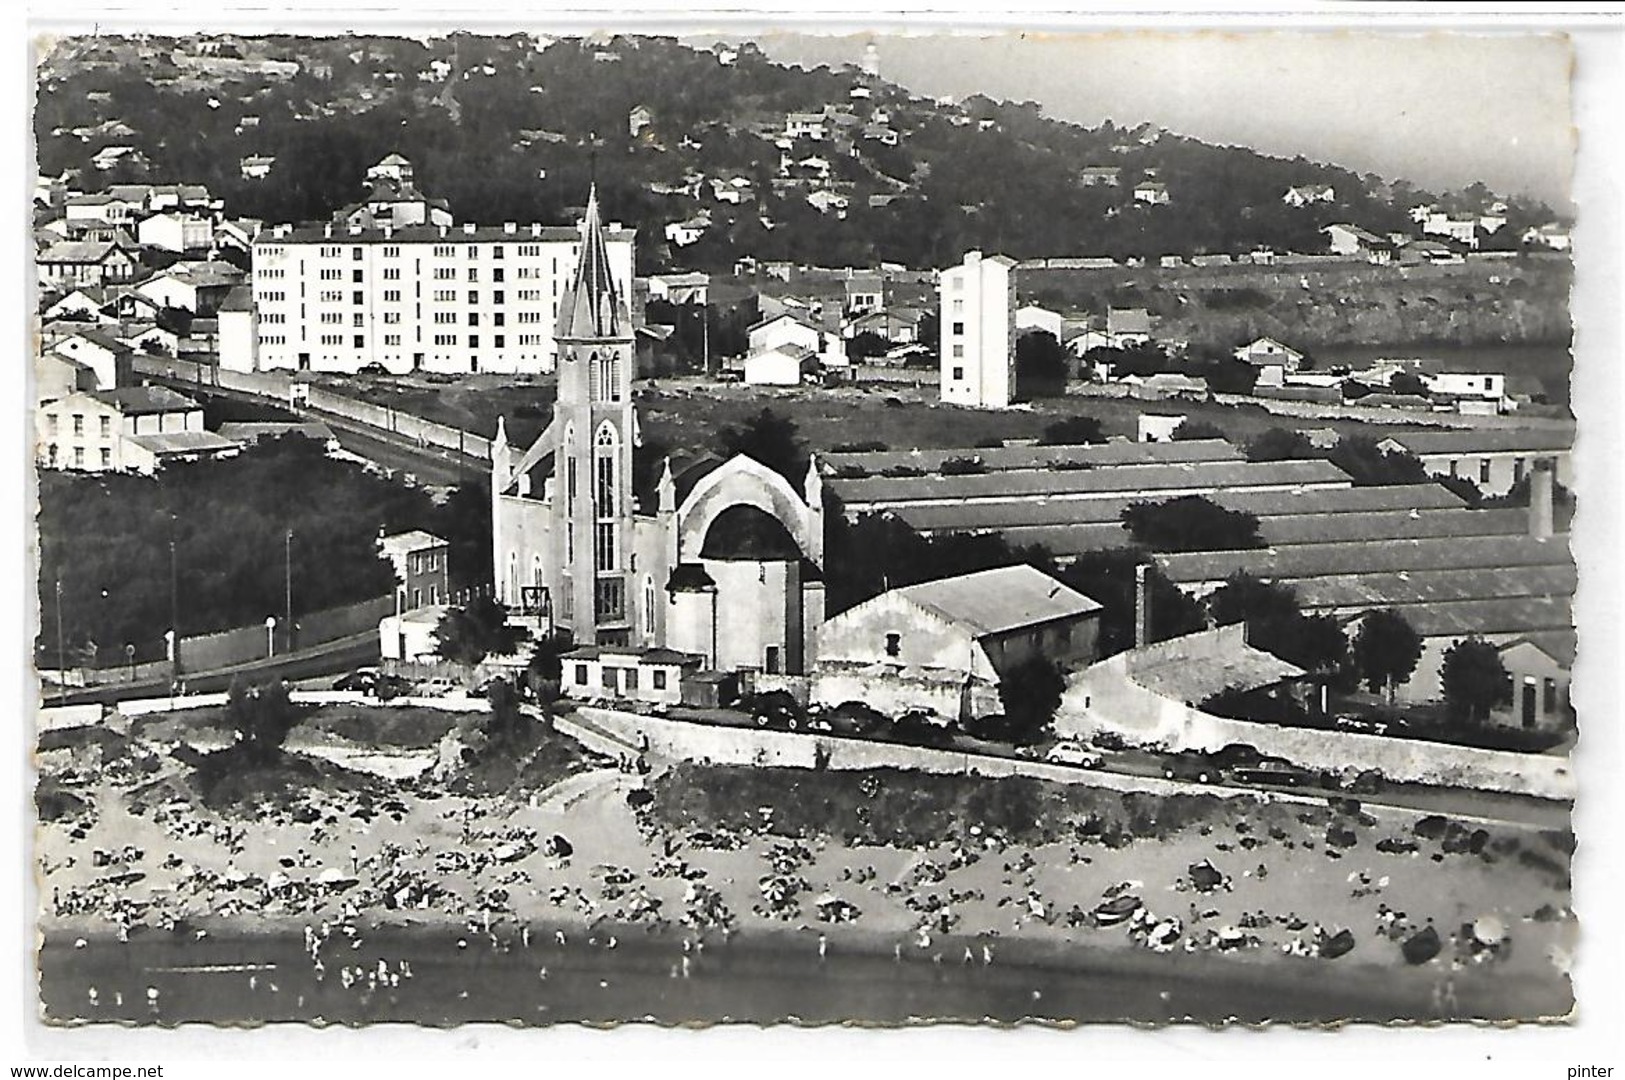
593,309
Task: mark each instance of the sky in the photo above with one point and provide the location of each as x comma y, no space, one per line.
1440,109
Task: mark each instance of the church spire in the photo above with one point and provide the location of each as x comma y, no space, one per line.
593,308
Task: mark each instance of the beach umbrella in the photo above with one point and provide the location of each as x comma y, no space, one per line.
1337,944
1489,930
1421,946
1205,876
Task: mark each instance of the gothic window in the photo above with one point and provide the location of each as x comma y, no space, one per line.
603,546
536,570
604,371
648,605
605,480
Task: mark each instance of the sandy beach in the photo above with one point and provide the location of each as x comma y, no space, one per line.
1267,887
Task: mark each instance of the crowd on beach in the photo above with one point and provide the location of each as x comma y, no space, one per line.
1302,884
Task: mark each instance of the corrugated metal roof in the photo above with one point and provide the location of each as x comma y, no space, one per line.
1000,600
1294,561
1486,440
994,515
1512,615
183,442
1391,525
1432,586
1006,458
1194,679
875,492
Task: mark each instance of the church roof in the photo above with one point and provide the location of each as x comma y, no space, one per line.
748,534
593,308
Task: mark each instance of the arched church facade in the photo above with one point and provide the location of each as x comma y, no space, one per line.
718,560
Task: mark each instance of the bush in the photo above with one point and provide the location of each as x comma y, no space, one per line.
961,466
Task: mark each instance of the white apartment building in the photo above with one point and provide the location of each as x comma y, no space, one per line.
978,332
441,298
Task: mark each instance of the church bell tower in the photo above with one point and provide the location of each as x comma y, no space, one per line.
596,429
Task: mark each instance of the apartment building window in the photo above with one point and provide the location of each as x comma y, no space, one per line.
330,252
331,273
473,251
51,423
445,273
78,457
496,274
392,339
497,252
473,318
498,297
106,425
498,341
358,297
361,341
473,296
445,296
392,252
358,319
78,424
392,273
1484,471
331,318
894,644
356,254
959,328
107,463
392,296
959,350
473,273
331,296
392,317
1548,691
497,317
444,251
445,318
355,277
959,373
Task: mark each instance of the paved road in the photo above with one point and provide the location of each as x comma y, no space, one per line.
327,659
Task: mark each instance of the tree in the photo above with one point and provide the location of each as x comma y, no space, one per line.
1385,650
1463,487
1191,523
1030,693
1041,366
1277,625
1191,429
770,439
1474,680
1371,466
1407,382
262,716
1280,444
467,635
1108,577
505,723
1073,431
866,345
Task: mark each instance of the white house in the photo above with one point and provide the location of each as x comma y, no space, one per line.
684,233
1345,239
1151,194
1489,388
256,166
802,125
650,675
198,287
72,263
785,329
1463,230
135,428
1552,236
978,328
1100,176
1273,360
1308,194
782,365
177,232
1033,317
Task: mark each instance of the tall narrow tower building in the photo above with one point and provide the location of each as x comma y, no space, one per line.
978,325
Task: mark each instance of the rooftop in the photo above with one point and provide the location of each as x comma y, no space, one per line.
1005,458
432,234
146,400
183,442
1294,561
1194,679
407,542
1146,480
1485,440
1000,600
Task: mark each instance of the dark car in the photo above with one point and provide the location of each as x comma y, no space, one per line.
856,718
776,709
386,687
359,681
1272,774
1190,765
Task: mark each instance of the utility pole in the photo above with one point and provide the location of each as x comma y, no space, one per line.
61,663
174,614
705,334
287,556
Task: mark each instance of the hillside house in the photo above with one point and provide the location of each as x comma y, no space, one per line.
1461,230
865,292
1151,194
637,119
420,560
1309,194
781,365
1351,240
198,287
880,133
1493,458
688,231
73,263
176,232
137,429
1273,360
1030,317
256,166
1100,176
1552,237
1128,327
805,125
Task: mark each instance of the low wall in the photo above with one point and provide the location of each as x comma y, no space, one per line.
1104,697
206,652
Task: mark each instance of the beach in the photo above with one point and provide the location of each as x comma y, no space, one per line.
1243,895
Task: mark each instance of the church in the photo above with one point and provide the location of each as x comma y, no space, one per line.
720,561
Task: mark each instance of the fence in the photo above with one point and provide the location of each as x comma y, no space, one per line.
205,652
320,399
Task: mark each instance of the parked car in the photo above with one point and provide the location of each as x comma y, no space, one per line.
438,686
1273,774
360,680
1190,765
856,718
1071,753
385,687
775,709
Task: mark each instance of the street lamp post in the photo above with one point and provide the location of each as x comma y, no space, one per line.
61,662
174,613
270,636
129,655
287,580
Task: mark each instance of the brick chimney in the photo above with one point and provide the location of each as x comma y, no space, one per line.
1541,501
1142,608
